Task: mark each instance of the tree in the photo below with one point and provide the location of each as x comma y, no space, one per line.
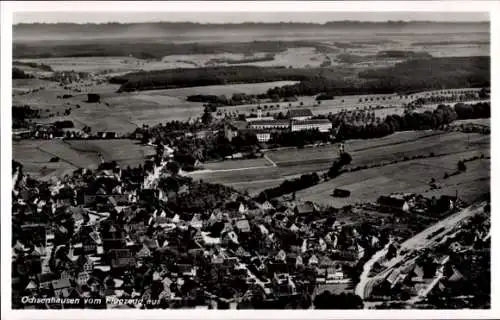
173,167
461,166
483,94
345,158
207,117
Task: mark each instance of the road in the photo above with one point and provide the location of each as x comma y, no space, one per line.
420,241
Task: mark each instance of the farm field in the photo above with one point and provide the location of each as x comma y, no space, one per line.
391,103
98,64
36,154
236,164
294,162
412,176
148,109
228,90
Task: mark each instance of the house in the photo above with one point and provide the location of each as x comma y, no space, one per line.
336,275
306,208
85,263
299,114
281,256
143,253
456,275
121,258
60,286
242,208
456,247
299,261
83,277
313,260
196,221
242,226
231,130
32,286
45,280
393,204
267,206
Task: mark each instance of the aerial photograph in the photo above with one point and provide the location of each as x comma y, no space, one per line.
258,160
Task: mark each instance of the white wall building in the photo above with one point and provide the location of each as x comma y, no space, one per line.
323,125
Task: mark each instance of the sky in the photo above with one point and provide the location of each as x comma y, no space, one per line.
237,17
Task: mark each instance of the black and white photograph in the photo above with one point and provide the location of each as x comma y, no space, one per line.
247,160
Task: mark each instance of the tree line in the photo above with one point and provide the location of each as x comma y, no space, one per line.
411,75
442,115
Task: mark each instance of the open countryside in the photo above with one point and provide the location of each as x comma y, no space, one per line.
252,165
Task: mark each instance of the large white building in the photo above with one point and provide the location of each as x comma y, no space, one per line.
269,124
323,125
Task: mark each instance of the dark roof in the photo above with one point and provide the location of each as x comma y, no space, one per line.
62,283
243,225
311,121
300,113
391,202
269,122
237,125
45,277
305,207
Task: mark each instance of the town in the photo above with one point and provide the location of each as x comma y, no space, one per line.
177,175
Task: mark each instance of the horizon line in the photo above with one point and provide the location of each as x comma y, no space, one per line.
255,22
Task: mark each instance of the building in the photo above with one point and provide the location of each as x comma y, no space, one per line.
299,114
232,128
323,125
253,119
263,135
269,124
393,204
121,258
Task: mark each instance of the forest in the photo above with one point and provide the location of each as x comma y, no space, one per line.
147,49
177,78
411,75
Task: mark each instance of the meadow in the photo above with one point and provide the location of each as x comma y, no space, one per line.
35,155
447,148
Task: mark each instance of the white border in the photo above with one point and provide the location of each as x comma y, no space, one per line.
8,7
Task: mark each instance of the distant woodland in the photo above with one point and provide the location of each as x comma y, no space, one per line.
143,49
411,75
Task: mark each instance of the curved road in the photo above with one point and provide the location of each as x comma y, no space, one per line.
419,241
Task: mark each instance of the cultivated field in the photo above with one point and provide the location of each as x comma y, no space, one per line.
412,176
237,164
228,90
36,154
294,162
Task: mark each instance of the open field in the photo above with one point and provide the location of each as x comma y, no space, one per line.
294,162
36,154
412,176
228,90
391,103
237,164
